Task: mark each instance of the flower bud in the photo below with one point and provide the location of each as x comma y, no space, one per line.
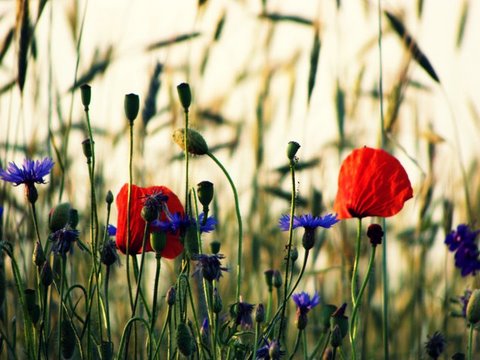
109,254
158,241
109,198
73,218
260,313
149,213
308,239
185,95
86,92
205,193
375,234
473,307
336,337
31,193
184,340
339,318
215,247
46,274
217,305
294,254
277,279
131,105
87,148
196,143
38,254
302,320
292,149
269,278
171,296
59,216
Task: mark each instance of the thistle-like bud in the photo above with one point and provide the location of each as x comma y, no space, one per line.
87,148
86,92
149,213
171,296
109,255
277,279
294,254
473,307
46,274
375,234
215,247
336,337
109,198
185,95
38,254
184,340
31,193
132,105
205,193
196,143
292,149
217,305
269,278
59,216
158,241
260,313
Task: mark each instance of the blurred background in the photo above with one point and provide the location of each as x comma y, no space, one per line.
263,73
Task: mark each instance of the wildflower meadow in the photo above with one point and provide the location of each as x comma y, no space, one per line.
239,180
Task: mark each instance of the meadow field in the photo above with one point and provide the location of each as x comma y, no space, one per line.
239,179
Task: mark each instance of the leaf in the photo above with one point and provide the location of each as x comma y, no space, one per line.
174,40
314,56
412,46
276,17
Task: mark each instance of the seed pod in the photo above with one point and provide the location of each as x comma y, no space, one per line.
86,92
473,307
184,340
132,105
59,216
185,95
196,143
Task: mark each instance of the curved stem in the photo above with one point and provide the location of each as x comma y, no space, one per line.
470,343
239,221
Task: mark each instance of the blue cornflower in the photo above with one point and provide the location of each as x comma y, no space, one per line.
462,235
153,205
1,213
467,258
111,230
269,351
180,223
30,173
243,314
62,240
204,329
209,224
209,266
310,223
304,305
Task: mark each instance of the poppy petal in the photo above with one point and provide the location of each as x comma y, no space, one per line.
371,183
173,247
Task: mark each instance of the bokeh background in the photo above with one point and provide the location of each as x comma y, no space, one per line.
264,73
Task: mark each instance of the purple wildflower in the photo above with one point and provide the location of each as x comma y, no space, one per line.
209,266
463,234
111,230
304,305
30,173
308,221
62,240
243,314
269,351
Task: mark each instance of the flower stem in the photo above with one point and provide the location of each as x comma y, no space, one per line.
239,221
289,248
297,343
129,200
186,162
470,343
355,263
158,258
353,321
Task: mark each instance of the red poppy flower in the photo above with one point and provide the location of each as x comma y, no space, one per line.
371,183
173,247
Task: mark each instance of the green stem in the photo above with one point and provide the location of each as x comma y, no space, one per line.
165,324
186,162
355,262
158,258
353,322
304,342
129,200
289,247
107,307
470,343
60,308
239,221
142,262
297,343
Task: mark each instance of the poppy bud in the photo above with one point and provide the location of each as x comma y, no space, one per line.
277,279
339,318
73,218
217,305
46,275
205,192
67,339
473,308
158,241
38,254
184,340
215,247
86,92
336,337
375,234
269,278
171,296
149,213
109,197
59,216
292,149
131,105
196,143
185,95
87,148
260,313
